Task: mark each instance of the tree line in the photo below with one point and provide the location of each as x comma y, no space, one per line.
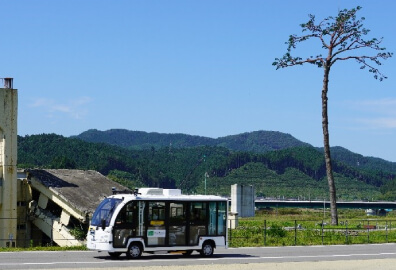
184,168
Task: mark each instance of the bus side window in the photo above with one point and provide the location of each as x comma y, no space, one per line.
125,216
129,212
157,213
221,219
198,213
177,213
212,218
120,217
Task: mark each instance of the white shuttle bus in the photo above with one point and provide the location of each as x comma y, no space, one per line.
154,219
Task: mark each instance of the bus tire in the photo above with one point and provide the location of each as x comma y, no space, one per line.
135,250
207,249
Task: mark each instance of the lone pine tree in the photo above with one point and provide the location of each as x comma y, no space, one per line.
342,38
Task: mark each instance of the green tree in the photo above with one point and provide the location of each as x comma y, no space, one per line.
341,37
62,162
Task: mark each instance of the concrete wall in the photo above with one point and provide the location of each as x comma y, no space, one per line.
242,200
24,196
8,161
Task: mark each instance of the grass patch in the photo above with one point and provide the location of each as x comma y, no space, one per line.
46,248
289,227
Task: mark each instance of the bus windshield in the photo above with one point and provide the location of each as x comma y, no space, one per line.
104,211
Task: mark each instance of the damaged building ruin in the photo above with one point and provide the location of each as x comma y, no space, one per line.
54,206
40,207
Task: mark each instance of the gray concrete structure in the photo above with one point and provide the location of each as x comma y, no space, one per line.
242,200
51,203
62,200
8,162
37,205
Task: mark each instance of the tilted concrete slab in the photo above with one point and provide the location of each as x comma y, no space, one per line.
54,229
78,192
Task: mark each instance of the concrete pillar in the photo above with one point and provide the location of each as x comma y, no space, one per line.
242,200
8,162
232,220
43,201
64,218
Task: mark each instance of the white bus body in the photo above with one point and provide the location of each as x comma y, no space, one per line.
154,219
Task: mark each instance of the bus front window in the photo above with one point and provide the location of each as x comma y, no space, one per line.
104,211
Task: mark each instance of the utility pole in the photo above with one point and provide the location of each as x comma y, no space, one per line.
206,175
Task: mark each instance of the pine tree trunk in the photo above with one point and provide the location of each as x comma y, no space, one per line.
326,142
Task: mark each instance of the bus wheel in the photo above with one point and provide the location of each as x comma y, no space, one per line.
115,255
134,251
207,249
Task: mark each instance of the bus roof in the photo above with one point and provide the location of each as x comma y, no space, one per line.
164,194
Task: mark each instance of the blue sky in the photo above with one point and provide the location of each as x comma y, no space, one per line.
194,67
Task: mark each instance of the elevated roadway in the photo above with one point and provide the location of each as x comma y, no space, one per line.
262,204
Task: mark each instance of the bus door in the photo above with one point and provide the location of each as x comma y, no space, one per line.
177,224
217,218
125,225
156,230
198,222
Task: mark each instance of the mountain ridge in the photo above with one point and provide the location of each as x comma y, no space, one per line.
267,141
291,172
256,141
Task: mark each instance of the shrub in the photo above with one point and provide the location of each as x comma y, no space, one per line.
276,231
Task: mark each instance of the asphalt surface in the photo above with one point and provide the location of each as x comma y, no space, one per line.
362,257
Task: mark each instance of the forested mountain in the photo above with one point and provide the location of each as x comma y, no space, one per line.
289,172
358,161
143,140
257,141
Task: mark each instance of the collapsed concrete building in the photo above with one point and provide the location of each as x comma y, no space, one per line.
54,206
39,207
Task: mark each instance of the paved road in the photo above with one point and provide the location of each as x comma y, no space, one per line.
311,257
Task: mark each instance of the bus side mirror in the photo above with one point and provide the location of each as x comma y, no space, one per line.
103,224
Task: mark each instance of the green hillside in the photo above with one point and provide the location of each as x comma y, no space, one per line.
257,141
359,161
143,140
291,183
297,172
